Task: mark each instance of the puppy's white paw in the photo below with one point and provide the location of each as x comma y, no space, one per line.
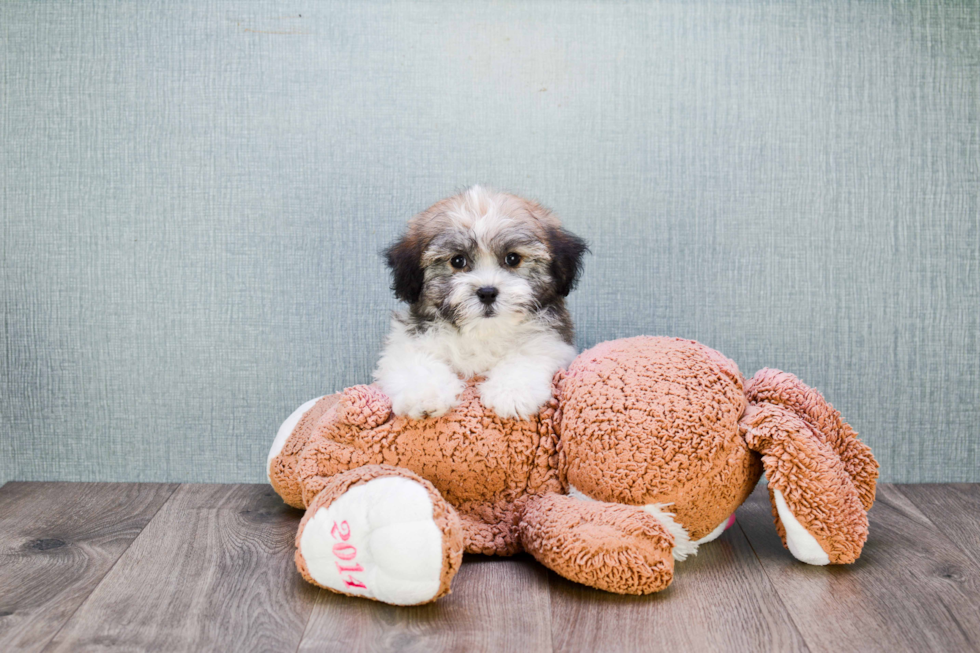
378,540
429,393
512,395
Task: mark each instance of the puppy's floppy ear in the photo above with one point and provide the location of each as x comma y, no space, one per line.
405,260
567,251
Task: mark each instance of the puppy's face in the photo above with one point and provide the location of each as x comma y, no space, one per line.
483,256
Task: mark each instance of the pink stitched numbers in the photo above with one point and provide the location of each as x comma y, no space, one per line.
346,553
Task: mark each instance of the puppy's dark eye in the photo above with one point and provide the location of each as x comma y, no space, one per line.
512,260
458,261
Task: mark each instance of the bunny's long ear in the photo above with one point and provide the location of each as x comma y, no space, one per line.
786,390
821,478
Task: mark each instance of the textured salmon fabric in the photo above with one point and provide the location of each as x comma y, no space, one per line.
639,425
612,547
655,420
784,389
282,473
485,466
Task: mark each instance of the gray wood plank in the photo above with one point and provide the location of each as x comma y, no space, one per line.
720,600
911,590
57,541
496,604
954,509
212,571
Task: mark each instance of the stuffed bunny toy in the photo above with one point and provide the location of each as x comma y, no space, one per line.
643,454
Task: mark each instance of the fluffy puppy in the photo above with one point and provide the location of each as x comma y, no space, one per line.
485,276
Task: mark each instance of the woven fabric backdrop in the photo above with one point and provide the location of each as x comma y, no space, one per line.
194,196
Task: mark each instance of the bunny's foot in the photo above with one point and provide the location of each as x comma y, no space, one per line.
609,546
382,533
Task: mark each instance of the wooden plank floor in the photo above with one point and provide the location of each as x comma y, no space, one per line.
89,566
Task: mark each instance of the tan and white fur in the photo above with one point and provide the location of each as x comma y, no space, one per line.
485,275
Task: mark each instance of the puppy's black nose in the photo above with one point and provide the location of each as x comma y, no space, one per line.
487,294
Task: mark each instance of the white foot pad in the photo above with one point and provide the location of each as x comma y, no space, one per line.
802,545
377,540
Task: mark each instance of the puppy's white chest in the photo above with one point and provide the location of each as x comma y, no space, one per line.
473,353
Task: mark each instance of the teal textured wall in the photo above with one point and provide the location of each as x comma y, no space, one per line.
194,196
